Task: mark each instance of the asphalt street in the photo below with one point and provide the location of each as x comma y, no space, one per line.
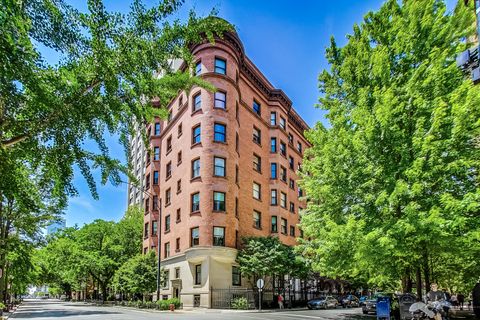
52,309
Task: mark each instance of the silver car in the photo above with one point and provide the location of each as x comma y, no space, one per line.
322,303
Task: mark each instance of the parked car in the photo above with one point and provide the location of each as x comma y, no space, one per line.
370,305
350,301
322,303
362,300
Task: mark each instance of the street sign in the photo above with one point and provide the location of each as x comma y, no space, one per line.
260,283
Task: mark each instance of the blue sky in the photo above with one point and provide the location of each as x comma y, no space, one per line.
285,39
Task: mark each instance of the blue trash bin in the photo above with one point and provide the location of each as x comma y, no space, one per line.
383,308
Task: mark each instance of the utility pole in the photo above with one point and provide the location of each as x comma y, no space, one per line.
159,232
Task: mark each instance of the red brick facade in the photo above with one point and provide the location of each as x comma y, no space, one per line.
243,84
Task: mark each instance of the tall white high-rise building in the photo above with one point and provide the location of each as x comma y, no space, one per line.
138,156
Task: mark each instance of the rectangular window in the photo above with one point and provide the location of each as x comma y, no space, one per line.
155,177
168,170
284,226
236,174
166,281
283,123
154,228
147,181
170,115
299,147
194,237
196,168
179,158
220,66
219,166
219,236
292,207
236,276
177,245
168,196
218,201
291,162
196,135
148,159
257,219
147,205
146,230
157,129
292,231
290,139
257,135
283,173
273,118
273,145
274,224
283,200
179,215
236,207
198,68
197,102
179,186
220,100
156,153
273,170
220,131
169,144
256,191
180,101
167,223
198,278
196,202
292,184
155,203
257,107
236,142
273,197
166,250
177,270
283,149
257,163
300,192
179,130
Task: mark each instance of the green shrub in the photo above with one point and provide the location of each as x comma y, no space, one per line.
2,306
150,305
240,303
165,304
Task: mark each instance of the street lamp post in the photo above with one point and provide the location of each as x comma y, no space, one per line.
159,232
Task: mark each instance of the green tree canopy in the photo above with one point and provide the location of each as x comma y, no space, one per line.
393,184
268,256
138,275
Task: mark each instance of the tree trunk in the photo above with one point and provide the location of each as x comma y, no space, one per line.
407,281
104,291
426,271
419,283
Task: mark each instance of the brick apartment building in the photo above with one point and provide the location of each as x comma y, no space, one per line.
223,166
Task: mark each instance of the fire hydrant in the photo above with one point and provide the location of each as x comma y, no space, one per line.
172,307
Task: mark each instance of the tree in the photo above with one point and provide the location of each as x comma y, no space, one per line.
138,275
393,184
94,252
104,81
268,256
